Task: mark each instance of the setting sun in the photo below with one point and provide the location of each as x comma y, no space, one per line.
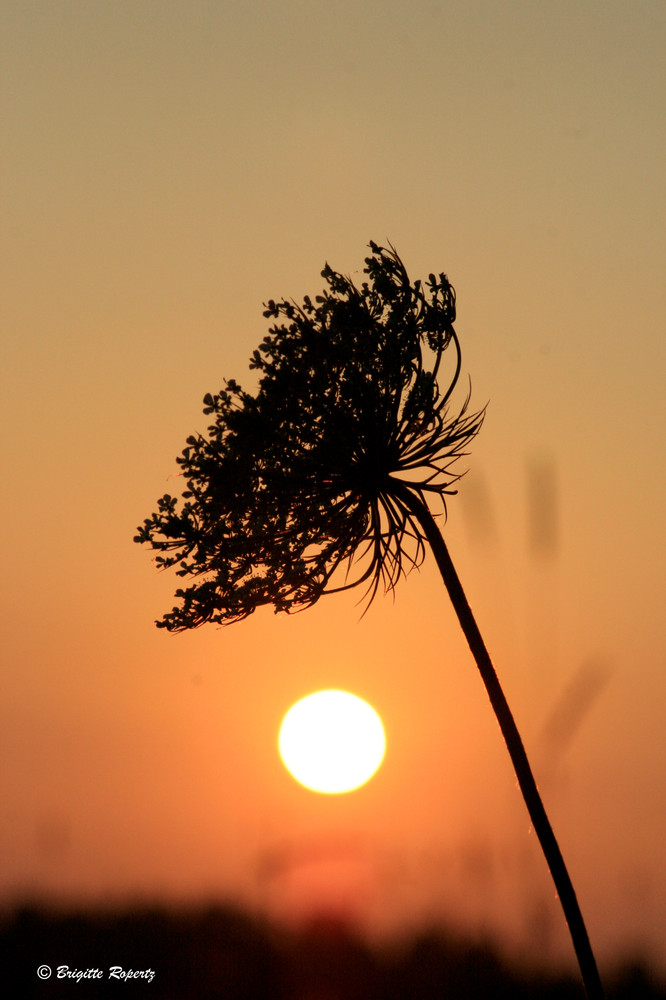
332,741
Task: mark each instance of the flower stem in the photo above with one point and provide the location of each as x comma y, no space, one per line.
528,787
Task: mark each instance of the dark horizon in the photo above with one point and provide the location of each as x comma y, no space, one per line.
218,952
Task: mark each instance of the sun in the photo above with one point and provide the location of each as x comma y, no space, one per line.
332,741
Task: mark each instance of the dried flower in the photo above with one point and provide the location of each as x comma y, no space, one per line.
328,470
306,477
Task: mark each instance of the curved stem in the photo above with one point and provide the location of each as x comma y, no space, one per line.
528,787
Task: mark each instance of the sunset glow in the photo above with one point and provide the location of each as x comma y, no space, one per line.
168,169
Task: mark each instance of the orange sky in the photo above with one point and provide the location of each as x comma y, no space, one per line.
168,168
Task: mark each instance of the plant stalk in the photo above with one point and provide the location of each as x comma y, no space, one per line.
528,787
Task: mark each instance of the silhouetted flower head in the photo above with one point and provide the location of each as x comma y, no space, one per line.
299,490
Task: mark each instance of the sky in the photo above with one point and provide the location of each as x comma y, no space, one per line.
167,168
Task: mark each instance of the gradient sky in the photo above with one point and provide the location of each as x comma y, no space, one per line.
169,166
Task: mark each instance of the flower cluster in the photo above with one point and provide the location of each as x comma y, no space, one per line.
299,490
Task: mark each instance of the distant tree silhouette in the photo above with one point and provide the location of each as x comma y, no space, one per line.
323,480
